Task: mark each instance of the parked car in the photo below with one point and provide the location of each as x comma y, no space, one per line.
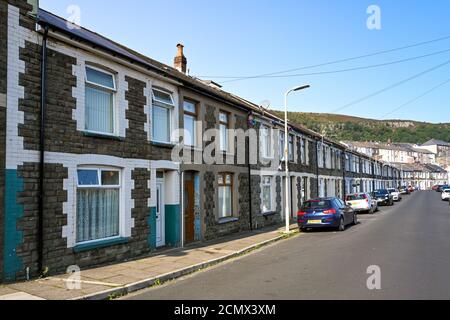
411,189
445,194
442,188
435,188
404,190
362,202
396,195
383,197
326,212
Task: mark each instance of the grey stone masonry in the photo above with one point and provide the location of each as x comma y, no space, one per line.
3,89
56,255
61,128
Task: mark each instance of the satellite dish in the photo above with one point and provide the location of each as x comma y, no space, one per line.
265,105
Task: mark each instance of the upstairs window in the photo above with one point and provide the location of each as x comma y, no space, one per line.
163,106
99,98
266,142
190,123
281,150
291,148
223,125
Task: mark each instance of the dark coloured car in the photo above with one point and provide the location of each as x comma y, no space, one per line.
442,188
383,197
326,212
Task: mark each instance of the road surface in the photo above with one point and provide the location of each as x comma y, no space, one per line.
409,242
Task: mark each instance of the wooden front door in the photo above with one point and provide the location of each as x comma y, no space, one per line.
189,211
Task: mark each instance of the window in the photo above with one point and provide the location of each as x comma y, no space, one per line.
291,148
303,151
225,182
266,142
163,106
190,127
98,202
99,97
282,146
223,123
267,194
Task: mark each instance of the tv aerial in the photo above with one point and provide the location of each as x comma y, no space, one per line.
264,106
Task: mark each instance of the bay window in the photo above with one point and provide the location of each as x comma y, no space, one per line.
98,204
100,88
163,106
190,127
225,187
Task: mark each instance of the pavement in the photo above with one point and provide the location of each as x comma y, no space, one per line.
407,243
119,279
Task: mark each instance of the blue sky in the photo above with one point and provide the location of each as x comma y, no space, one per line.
253,37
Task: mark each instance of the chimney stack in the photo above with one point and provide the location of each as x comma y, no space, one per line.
180,61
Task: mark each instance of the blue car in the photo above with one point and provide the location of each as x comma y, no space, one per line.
326,213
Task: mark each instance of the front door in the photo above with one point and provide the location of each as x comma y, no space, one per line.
189,210
160,215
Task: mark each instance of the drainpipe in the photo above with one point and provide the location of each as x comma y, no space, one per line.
250,207
40,238
182,213
317,167
343,175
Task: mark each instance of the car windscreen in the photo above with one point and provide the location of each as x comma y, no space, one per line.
355,197
317,205
379,193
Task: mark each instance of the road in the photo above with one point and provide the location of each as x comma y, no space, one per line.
410,242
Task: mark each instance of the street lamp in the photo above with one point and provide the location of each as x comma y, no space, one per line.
286,152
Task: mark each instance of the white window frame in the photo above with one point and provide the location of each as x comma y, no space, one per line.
192,115
291,152
226,143
163,104
266,140
112,90
99,170
270,185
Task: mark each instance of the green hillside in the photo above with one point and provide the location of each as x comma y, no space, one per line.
342,127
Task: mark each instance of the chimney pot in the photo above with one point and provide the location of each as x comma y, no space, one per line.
180,61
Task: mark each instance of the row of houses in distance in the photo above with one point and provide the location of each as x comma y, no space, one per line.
88,169
422,166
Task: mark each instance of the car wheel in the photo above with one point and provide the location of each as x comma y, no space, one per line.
355,219
341,225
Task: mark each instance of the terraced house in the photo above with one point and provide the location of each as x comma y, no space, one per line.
94,168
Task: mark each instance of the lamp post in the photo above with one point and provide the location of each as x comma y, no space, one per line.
286,152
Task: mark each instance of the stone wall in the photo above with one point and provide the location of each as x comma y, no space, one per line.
61,128
3,89
56,256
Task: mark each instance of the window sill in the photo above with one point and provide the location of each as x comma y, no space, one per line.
269,213
227,220
99,244
167,145
102,136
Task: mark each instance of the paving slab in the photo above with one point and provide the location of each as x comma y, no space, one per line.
108,281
